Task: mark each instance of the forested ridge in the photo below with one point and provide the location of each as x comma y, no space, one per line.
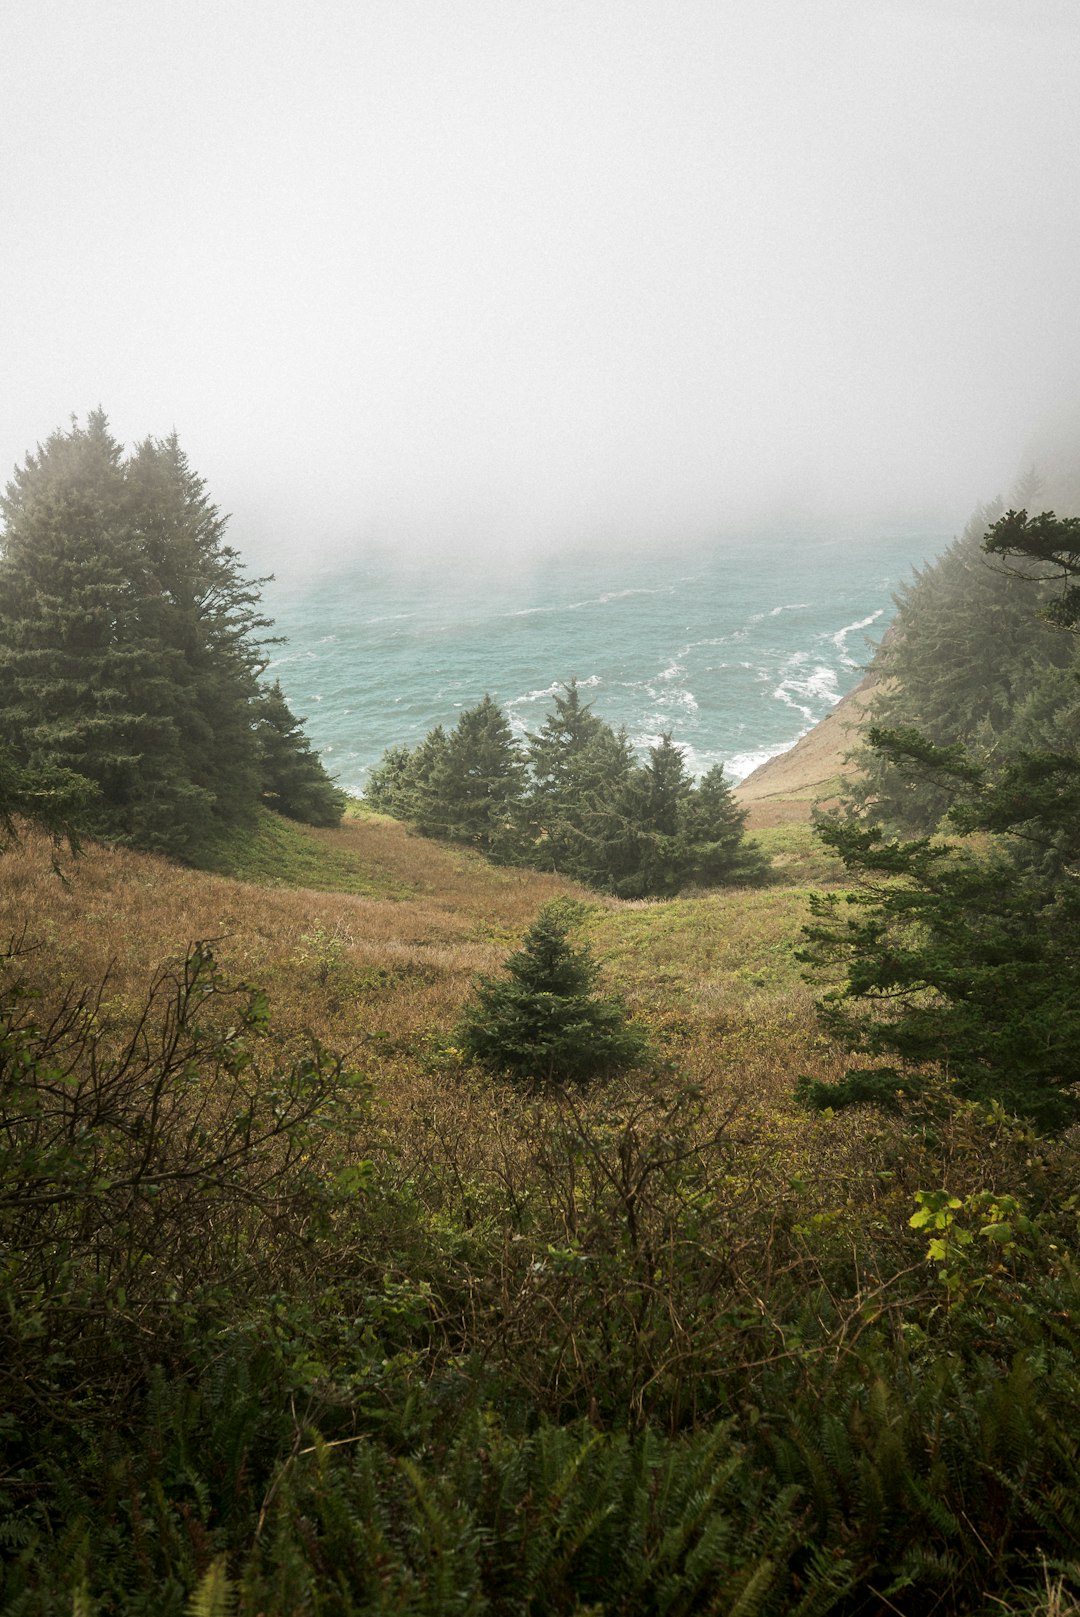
451,1235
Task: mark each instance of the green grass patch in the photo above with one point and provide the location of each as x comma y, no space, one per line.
797,855
277,852
741,935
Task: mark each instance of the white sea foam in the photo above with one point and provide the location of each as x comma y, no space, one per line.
818,687
775,611
672,642
623,595
742,764
537,695
839,639
677,698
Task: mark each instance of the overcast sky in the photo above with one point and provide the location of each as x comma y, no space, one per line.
520,272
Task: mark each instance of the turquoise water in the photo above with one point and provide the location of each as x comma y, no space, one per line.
736,648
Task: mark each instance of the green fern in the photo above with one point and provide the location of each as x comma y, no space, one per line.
215,1593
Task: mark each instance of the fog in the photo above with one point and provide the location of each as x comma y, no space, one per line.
515,274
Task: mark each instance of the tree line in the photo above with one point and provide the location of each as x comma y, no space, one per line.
973,659
573,800
960,945
133,703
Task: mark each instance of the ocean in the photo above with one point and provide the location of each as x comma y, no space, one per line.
736,647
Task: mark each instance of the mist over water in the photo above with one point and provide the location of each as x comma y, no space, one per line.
736,647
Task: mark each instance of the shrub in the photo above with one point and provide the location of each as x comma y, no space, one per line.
542,1023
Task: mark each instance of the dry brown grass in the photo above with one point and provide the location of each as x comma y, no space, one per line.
384,979
349,970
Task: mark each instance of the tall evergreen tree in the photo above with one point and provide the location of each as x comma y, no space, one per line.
712,835
960,958
293,779
958,955
587,810
964,653
555,750
475,784
83,685
129,639
661,788
389,786
584,805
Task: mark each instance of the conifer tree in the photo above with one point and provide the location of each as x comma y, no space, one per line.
663,789
474,787
712,835
294,781
965,651
958,956
556,749
129,640
84,687
388,788
54,799
585,807
417,789
542,1022
587,810
954,957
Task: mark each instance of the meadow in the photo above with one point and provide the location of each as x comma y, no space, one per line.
303,1313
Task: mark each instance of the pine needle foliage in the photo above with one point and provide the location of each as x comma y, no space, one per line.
131,643
542,1023
574,802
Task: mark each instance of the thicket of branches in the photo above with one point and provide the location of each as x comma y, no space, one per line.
635,1355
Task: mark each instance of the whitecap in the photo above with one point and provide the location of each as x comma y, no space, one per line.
677,698
775,611
537,695
819,686
622,595
742,764
839,639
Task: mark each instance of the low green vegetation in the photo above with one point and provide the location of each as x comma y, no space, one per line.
631,1352
277,852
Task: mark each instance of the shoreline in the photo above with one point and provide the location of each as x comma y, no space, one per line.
787,787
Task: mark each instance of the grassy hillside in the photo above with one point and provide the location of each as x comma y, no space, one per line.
285,1336
369,938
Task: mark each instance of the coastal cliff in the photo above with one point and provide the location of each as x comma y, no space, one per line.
787,787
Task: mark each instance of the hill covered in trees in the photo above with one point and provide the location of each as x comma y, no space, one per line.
961,943
131,650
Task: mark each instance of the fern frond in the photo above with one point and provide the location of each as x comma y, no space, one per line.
215,1594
